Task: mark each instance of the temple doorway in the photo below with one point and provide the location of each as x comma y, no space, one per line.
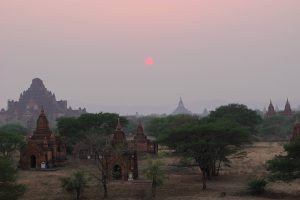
33,161
117,172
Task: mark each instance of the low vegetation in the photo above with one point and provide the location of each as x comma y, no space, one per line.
257,186
76,183
9,189
286,167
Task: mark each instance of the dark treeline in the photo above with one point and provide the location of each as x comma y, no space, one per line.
74,130
210,140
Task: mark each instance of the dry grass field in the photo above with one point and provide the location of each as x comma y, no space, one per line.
182,183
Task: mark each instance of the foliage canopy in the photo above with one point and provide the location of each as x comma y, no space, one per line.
8,187
286,167
11,139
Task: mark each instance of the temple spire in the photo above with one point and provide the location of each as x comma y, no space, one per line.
271,110
119,137
287,108
119,126
140,129
181,109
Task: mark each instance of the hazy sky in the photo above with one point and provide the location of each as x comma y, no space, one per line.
92,52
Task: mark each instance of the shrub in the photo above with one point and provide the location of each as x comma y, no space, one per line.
75,183
257,186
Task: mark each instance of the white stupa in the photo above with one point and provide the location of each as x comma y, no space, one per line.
181,110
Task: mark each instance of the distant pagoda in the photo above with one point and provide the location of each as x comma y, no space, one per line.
271,111
286,112
181,110
31,101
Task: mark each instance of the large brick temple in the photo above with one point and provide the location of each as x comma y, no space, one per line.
26,110
43,149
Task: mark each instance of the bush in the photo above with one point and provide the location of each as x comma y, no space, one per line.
257,186
9,189
77,182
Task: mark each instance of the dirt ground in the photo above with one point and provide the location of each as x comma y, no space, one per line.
183,183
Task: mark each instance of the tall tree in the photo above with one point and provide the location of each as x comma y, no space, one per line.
155,174
209,143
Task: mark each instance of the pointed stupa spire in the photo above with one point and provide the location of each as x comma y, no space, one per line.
119,126
287,108
271,110
140,128
181,110
42,121
287,104
140,136
119,137
180,101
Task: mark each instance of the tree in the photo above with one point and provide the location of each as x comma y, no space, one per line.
74,129
11,139
14,129
155,174
159,125
239,113
208,143
8,187
276,127
77,182
94,131
286,167
97,142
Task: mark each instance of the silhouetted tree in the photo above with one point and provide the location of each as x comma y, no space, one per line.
209,143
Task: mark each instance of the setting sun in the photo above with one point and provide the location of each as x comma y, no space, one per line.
149,61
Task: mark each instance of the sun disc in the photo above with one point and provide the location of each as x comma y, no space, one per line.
149,61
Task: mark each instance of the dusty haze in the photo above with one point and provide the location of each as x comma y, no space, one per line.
93,52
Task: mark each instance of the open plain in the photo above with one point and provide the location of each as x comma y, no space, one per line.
183,183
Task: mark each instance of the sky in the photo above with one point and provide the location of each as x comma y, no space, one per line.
210,52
